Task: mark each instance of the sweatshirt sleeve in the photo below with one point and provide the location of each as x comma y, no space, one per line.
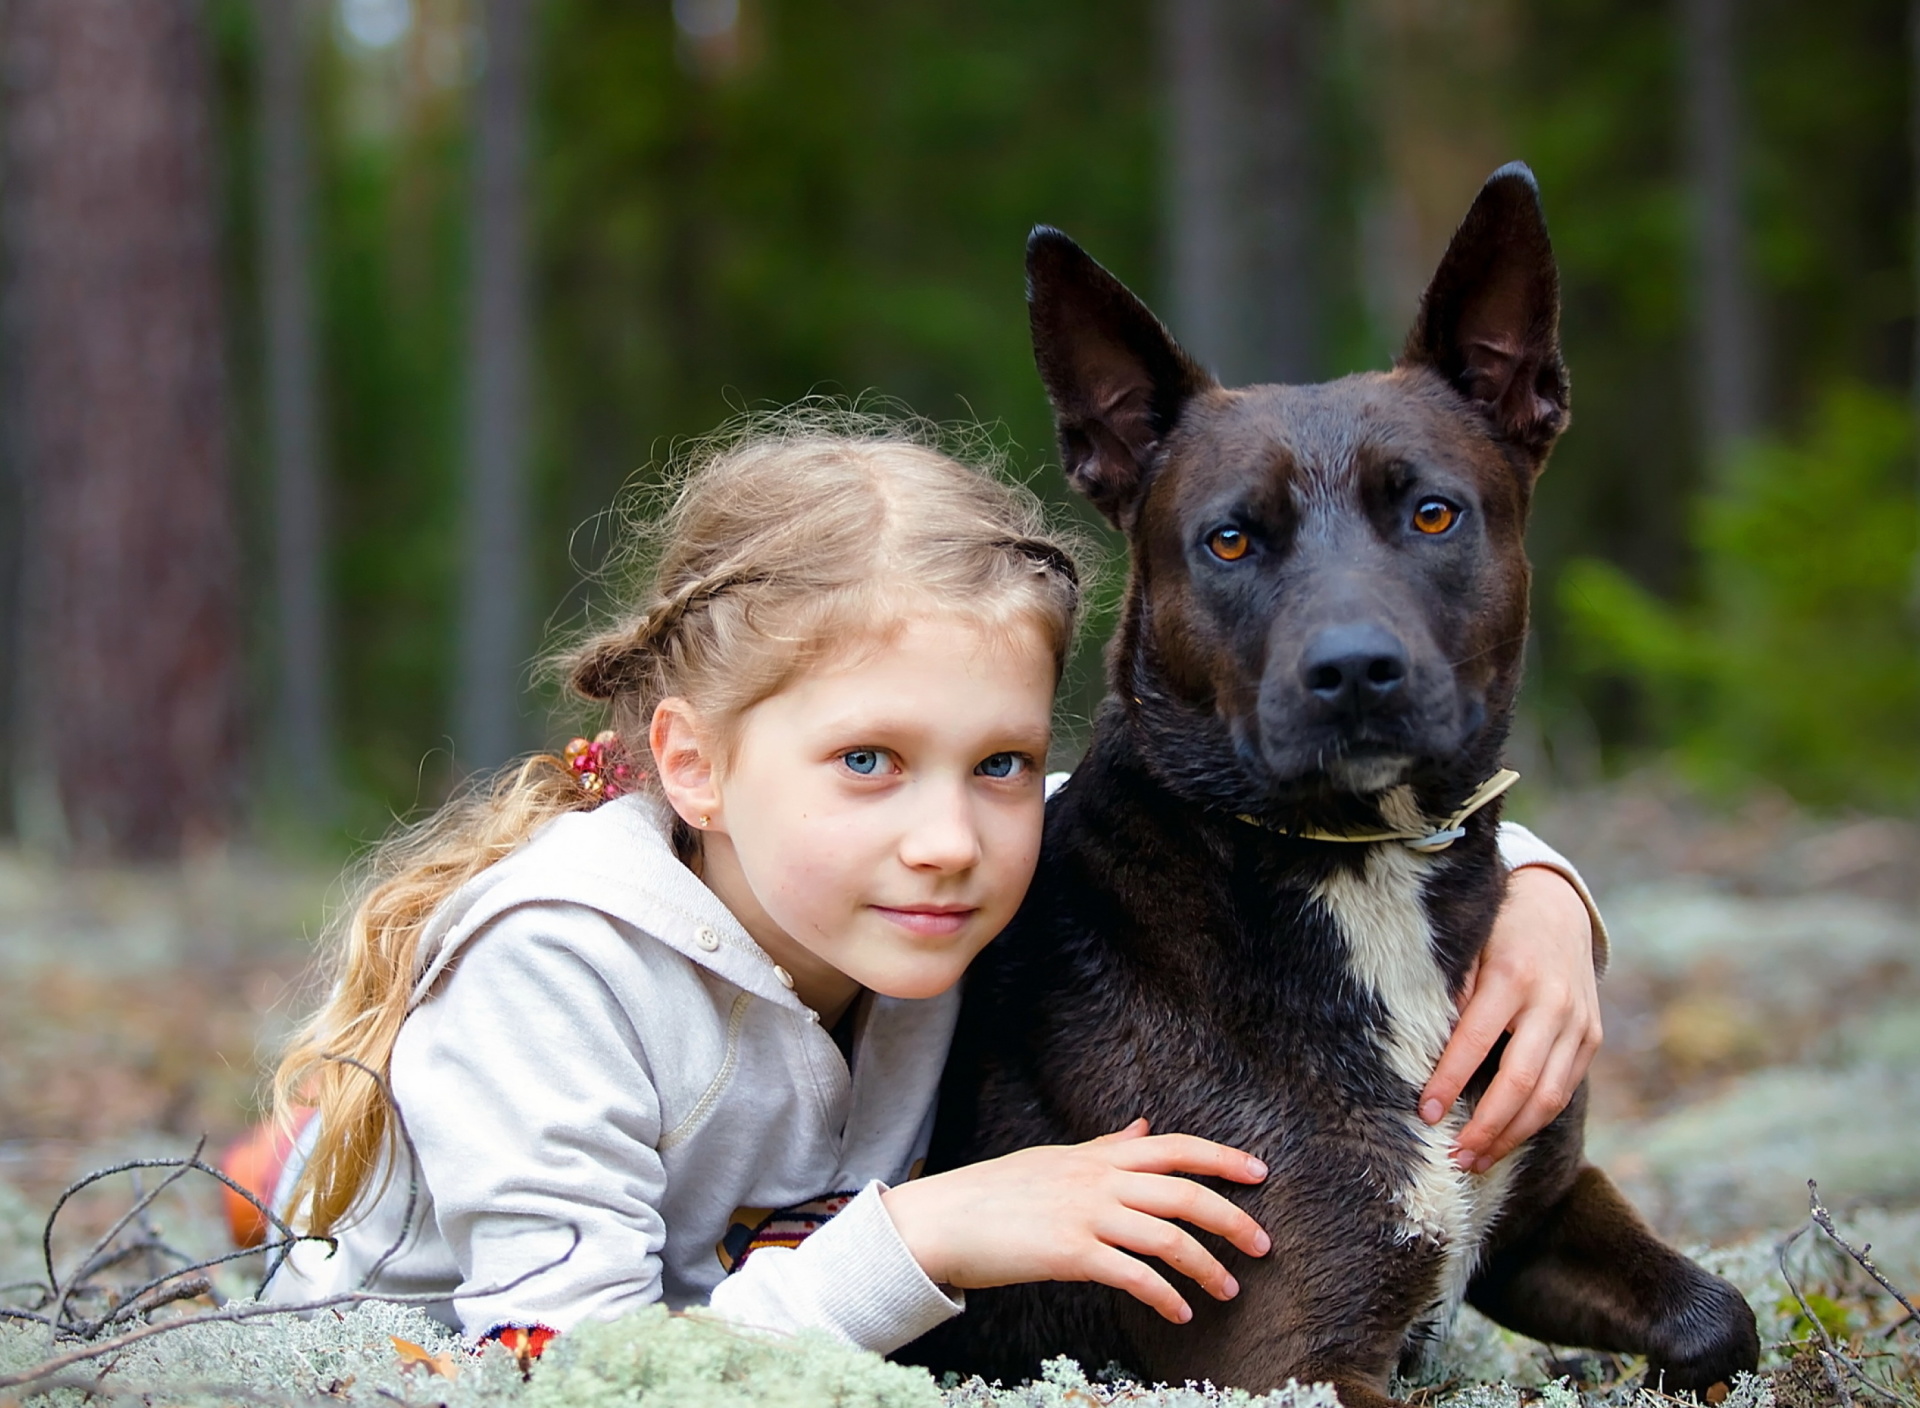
854,1278
531,1112
528,1098
1519,846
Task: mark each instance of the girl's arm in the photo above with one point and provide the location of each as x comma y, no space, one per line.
1537,979
1084,1212
532,1110
532,1107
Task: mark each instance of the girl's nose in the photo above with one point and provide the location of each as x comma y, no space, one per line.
942,835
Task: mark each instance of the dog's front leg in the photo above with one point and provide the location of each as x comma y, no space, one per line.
1322,1308
1589,1272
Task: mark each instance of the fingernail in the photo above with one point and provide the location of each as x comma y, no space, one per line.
1230,1289
1430,1111
1483,1163
1186,1313
1256,1169
1262,1244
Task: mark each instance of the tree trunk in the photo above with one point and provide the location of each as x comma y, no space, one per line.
1199,177
129,686
493,645
1723,310
302,751
1243,183
1913,140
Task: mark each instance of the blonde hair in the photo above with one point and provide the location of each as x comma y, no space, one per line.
785,538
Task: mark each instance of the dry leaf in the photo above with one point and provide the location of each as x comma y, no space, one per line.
412,1354
1717,1394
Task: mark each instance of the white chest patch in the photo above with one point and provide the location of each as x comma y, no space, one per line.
1390,950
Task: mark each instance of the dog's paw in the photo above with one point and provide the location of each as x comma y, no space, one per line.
1705,1341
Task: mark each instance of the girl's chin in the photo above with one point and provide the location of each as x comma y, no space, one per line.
914,982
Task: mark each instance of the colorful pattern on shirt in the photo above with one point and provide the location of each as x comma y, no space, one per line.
750,1229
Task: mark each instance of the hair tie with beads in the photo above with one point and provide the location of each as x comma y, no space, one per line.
599,765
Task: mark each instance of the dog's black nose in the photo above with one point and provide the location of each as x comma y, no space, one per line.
1353,667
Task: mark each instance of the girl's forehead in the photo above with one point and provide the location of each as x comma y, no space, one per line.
937,669
934,632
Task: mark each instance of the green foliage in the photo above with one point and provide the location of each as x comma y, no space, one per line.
1834,1318
654,1359
1594,94
1799,663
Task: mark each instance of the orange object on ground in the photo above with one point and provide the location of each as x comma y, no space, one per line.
525,1342
255,1161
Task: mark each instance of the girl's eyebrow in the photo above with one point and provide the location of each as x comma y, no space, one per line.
881,726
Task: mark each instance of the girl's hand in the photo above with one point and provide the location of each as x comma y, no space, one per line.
1535,979
1065,1212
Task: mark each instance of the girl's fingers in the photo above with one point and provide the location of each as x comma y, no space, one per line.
1155,1237
1187,1153
1482,1022
1132,1131
1550,1096
1159,1195
1523,1067
1124,1273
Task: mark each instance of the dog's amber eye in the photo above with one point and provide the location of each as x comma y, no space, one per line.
1435,516
1228,544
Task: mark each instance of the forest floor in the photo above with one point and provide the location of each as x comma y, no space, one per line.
1762,1010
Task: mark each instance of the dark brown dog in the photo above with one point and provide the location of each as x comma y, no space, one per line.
1323,632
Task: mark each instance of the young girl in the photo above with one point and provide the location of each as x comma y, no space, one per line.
687,993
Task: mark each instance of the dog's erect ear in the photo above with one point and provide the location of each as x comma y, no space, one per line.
1490,320
1116,377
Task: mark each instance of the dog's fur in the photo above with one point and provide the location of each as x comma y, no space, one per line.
1181,958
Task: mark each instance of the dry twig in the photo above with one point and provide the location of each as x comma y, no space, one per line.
1835,1362
103,1255
234,1314
1830,1357
1824,1220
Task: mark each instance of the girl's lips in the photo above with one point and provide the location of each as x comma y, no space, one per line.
931,922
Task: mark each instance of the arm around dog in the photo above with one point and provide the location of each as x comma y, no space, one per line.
1075,1212
1521,850
1536,979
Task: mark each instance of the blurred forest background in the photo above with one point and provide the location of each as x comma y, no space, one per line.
330,325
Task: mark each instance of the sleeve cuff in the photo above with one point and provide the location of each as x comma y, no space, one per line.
885,1298
854,1278
1520,847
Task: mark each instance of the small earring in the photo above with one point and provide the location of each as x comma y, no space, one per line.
704,820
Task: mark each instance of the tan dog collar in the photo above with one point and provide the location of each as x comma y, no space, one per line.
1425,841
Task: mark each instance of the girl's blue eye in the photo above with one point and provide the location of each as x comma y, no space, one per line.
1002,765
865,761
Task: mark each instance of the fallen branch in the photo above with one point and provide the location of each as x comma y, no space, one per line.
102,1255
91,1264
232,1315
1830,1356
1824,1220
413,1166
1836,1363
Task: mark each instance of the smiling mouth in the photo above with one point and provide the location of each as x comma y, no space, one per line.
928,921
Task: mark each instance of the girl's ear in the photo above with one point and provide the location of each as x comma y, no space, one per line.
684,763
